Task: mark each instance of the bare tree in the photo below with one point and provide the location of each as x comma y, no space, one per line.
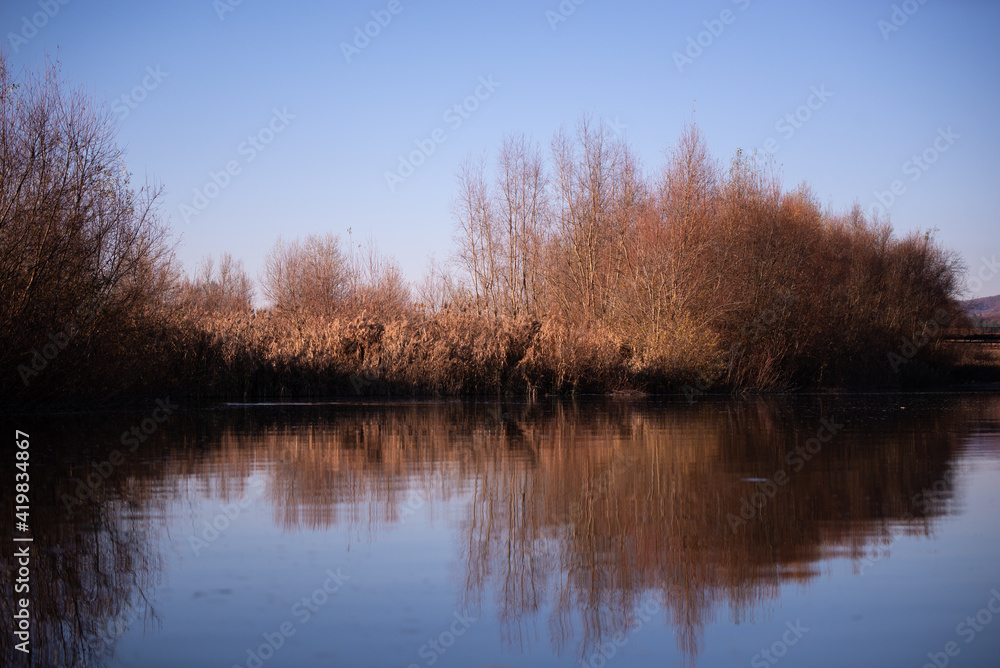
76,236
522,209
438,290
307,277
669,258
598,191
477,235
377,284
226,288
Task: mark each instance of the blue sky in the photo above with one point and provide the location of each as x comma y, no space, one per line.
202,77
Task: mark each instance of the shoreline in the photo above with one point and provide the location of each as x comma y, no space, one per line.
140,403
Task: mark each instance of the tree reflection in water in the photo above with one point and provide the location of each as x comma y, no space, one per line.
578,512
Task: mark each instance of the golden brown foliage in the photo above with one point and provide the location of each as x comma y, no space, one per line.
708,272
578,274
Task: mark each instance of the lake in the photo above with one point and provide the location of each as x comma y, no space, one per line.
818,530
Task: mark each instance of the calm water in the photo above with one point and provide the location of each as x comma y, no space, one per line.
857,531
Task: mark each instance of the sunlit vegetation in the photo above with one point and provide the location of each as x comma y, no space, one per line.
575,269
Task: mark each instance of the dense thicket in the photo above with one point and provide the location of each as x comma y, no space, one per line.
582,273
696,271
574,270
84,268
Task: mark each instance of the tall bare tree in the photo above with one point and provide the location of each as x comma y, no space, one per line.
522,208
478,240
598,189
84,255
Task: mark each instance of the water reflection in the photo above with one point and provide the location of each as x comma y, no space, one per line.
576,518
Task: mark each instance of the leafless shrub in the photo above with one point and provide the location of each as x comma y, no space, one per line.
439,290
377,286
226,288
310,277
84,264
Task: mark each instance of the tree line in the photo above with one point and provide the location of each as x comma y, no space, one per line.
575,268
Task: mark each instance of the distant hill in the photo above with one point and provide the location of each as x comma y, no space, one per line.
985,308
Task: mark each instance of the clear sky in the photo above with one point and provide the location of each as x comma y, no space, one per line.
202,77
